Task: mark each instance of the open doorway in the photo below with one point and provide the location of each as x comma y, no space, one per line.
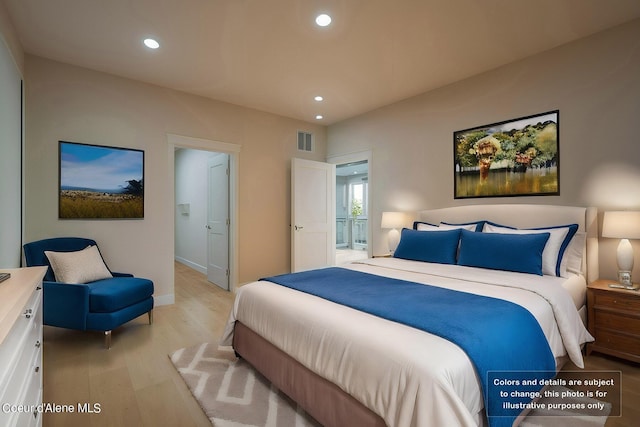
202,215
352,211
203,170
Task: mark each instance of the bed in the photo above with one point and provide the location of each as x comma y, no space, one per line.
345,366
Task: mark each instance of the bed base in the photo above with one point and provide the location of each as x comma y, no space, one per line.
324,401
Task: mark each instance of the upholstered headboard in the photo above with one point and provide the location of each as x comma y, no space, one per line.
529,216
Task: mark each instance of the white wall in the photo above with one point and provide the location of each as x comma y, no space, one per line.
65,102
10,38
11,155
594,82
191,188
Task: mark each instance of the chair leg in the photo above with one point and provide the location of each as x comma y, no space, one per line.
107,339
150,316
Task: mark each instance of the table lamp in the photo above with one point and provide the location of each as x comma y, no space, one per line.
393,221
623,225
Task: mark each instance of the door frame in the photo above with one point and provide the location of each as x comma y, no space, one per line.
360,156
233,150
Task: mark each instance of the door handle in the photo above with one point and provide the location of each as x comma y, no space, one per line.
298,227
208,227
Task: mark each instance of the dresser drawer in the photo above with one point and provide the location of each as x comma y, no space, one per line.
29,365
31,395
615,301
21,348
617,342
20,343
617,322
27,419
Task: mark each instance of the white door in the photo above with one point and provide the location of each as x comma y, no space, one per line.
313,207
218,221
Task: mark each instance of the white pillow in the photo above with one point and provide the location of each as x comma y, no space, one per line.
574,253
551,255
82,266
470,227
422,226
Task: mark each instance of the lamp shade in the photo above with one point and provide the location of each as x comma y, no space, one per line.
393,219
621,225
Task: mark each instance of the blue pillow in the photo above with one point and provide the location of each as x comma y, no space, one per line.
512,252
435,246
559,239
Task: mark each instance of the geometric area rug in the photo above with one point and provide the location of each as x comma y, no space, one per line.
231,393
568,418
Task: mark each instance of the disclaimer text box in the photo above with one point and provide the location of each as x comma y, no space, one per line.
588,393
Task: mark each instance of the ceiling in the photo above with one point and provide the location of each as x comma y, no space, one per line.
270,55
355,168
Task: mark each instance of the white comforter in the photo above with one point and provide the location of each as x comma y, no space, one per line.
407,376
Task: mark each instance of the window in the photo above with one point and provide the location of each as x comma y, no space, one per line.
358,199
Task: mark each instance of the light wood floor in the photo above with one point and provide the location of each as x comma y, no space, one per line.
630,395
136,385
134,382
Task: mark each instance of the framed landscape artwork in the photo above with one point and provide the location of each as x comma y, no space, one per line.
99,182
517,157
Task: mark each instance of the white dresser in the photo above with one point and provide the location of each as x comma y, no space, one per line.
21,347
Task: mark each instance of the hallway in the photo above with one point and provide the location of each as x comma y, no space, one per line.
344,256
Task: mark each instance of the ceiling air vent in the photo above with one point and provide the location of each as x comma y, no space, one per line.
305,141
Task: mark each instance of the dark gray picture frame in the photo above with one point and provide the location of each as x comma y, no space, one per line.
100,182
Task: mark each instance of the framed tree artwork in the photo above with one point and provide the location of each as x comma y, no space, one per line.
517,157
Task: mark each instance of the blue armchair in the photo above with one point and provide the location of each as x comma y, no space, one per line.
101,305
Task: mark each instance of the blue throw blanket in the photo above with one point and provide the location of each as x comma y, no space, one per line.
503,340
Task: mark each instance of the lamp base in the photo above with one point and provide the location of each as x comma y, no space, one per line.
393,239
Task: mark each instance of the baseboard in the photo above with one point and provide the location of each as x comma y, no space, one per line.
199,268
164,299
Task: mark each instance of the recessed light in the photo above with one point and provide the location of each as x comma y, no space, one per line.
318,98
319,117
151,43
323,20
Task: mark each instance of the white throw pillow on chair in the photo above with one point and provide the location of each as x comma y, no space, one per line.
82,266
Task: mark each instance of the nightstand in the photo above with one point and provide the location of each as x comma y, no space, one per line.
614,320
